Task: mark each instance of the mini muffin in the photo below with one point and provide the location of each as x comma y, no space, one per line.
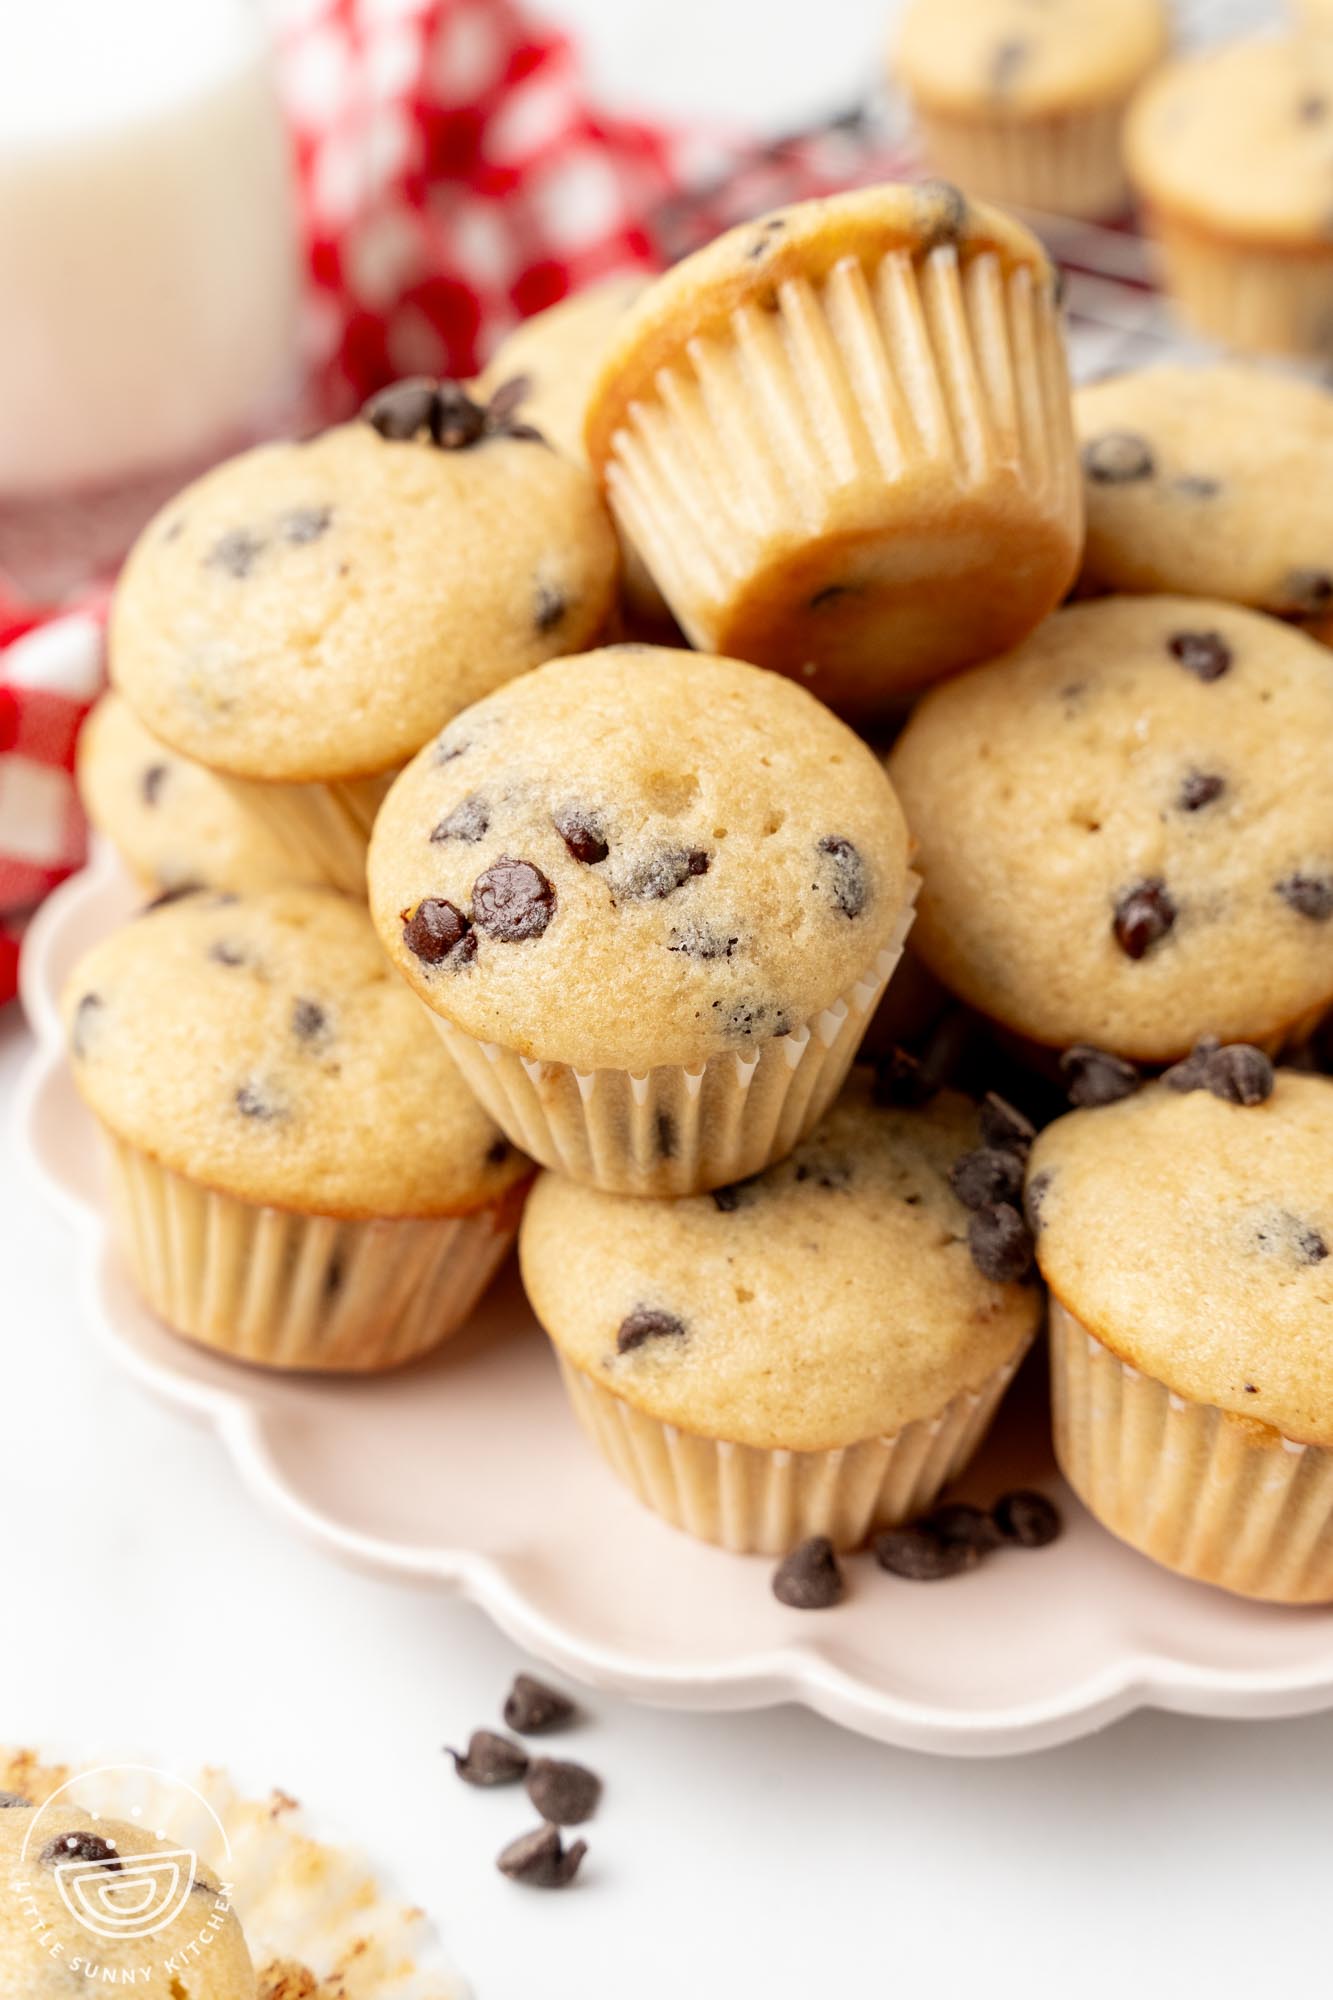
811,1352
1213,482
1024,104
299,1175
172,822
1231,152
1185,1239
305,617
1125,829
60,1860
651,899
841,439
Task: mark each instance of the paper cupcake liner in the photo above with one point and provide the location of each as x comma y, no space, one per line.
675,1130
1262,301
1216,1496
757,1502
1065,164
310,1912
325,828
287,1290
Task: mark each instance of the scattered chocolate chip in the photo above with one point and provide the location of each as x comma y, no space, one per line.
455,420
1117,457
252,1101
960,1521
1205,654
1287,1236
549,606
1199,789
512,900
1034,1194
833,1175
810,1578
582,834
447,747
401,411
1143,916
901,1081
662,874
534,1709
940,212
647,1323
225,952
502,411
701,941
1095,1076
729,1199
1239,1074
921,1557
8,1799
309,1020
1197,486
847,883
468,821
748,1018
1000,1243
236,553
541,1860
435,930
1309,895
306,524
490,1759
1304,593
1028,1518
1192,1072
85,1014
564,1794
82,1847
151,781
1007,61
1004,1126
761,241
985,1175
1251,1389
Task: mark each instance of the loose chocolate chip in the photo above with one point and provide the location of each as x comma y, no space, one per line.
1028,1518
1192,1072
436,930
847,880
85,1014
1118,457
960,1521
1309,895
252,1101
582,834
235,553
701,941
729,1199
8,1799
921,1557
647,1323
1198,789
986,1175
226,952
809,1578
549,606
1206,654
1143,916
82,1847
564,1794
1240,1074
1034,1194
1197,486
534,1709
512,900
309,1020
1095,1076
541,1860
490,1759
1004,1126
940,211
401,411
662,874
901,1081
1000,1243
151,781
1304,593
468,821
306,524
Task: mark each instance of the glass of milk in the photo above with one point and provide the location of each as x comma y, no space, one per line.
148,266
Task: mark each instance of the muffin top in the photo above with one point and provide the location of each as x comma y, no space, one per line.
1007,55
47,1953
262,1046
558,356
176,825
1240,138
1215,482
639,857
318,610
829,1300
1192,1236
1125,827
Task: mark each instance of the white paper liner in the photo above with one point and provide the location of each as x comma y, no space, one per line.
308,1910
325,828
287,1290
1263,301
1216,1496
1068,163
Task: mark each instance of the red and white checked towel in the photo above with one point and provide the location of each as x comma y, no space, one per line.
454,179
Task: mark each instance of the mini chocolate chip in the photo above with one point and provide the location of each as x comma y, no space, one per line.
1000,1243
1198,789
225,952
1289,1237
748,1018
502,411
151,781
662,874
236,552
1240,1074
1309,895
490,1759
1028,1518
810,1578
541,1860
436,930
582,834
848,883
701,941
960,1521
549,606
1304,593
402,410
535,1709
1143,916
736,1195
1034,1194
306,524
921,1557
447,748
1004,1126
1197,486
8,1799
1192,1072
82,1847
512,900
1007,60
986,1175
1095,1076
252,1101
309,1020
564,1794
455,420
1117,457
1206,654
901,1081
647,1323
468,821
940,213
85,1013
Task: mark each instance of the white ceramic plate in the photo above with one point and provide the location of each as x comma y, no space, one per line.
468,1471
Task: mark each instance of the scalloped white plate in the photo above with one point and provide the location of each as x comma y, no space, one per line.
468,1471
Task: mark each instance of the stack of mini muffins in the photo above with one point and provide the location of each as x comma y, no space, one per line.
447,888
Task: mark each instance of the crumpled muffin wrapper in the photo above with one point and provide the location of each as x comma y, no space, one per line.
289,1290
1260,300
1067,163
325,828
318,1923
1215,1496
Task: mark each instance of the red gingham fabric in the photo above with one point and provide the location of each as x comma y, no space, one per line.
454,178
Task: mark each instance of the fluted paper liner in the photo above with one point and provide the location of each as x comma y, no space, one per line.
1260,300
289,1290
325,828
757,1502
676,1130
318,1922
1217,1496
1066,163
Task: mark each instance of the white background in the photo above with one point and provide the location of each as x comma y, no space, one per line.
146,1608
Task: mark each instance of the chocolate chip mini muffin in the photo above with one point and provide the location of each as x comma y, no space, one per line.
305,617
651,899
1125,829
299,1175
1025,104
841,439
173,823
811,1352
1214,482
1231,152
1185,1239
